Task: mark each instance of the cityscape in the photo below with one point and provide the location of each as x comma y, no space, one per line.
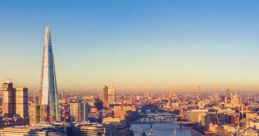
202,79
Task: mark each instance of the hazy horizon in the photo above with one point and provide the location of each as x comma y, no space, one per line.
133,45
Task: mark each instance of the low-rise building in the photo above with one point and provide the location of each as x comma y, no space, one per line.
30,131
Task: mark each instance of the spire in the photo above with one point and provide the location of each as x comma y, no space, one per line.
47,37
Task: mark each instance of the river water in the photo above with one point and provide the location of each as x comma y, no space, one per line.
161,129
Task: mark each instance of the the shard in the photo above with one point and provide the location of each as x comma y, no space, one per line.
49,92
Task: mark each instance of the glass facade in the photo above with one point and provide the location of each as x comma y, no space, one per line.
49,91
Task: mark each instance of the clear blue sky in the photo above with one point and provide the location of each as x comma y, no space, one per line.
133,44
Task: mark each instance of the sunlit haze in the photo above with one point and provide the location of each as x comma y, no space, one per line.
146,45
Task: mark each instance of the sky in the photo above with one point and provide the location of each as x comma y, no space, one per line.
148,45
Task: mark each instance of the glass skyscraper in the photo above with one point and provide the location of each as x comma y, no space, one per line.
48,91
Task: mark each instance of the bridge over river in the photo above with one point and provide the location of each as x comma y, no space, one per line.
162,127
161,123
162,117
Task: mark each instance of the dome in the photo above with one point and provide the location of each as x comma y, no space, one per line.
235,96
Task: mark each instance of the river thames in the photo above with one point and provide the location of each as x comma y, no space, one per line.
162,129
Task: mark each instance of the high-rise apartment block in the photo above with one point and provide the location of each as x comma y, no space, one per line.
21,102
15,100
8,98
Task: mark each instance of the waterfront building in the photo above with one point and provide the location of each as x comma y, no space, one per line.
32,131
196,115
15,101
21,131
111,120
49,90
109,129
121,111
116,129
92,130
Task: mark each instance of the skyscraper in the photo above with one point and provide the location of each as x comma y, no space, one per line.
49,92
15,100
21,102
78,111
8,98
109,95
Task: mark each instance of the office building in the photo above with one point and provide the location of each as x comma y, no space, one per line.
32,131
49,92
34,113
109,95
92,130
109,129
78,111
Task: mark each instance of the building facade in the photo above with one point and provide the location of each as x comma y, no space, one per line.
15,101
49,91
34,110
78,111
109,95
8,99
21,102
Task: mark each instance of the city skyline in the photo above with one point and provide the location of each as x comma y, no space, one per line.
129,68
134,47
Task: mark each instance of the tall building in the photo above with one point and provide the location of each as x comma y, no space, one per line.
109,95
15,100
78,111
8,98
49,92
34,110
21,102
